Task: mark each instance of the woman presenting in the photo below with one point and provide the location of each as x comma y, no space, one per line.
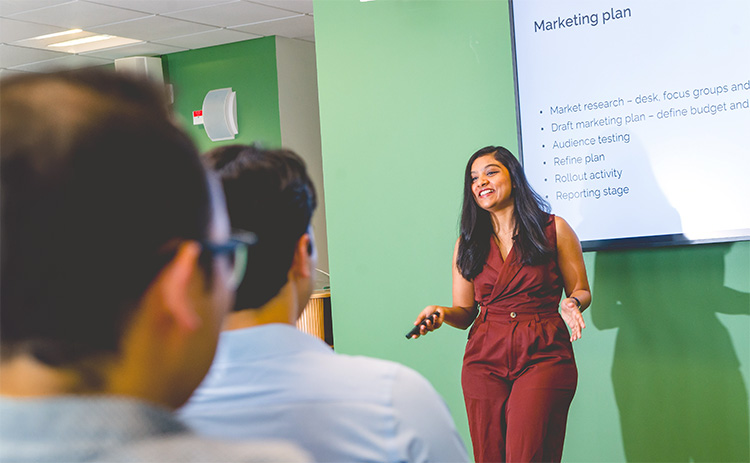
510,265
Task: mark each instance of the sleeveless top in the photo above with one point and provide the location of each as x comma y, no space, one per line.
511,286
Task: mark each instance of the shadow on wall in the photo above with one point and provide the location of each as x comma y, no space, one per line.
675,373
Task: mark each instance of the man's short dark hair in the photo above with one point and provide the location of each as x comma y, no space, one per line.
97,186
269,193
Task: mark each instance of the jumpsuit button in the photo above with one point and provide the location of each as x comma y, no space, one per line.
512,315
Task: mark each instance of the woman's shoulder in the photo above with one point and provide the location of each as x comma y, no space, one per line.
564,231
559,222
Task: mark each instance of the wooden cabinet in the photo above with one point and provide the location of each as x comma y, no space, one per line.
316,317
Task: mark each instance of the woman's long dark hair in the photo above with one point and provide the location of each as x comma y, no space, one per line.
531,213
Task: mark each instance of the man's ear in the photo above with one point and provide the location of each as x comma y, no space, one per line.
173,286
302,255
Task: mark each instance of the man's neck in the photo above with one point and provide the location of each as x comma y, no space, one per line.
22,376
280,309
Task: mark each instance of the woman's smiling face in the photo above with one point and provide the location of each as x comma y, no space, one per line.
490,183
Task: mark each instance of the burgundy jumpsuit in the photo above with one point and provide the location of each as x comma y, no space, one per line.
519,374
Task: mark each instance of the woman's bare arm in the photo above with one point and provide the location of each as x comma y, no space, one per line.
461,314
575,281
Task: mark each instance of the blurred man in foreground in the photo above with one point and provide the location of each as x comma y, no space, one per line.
117,271
270,380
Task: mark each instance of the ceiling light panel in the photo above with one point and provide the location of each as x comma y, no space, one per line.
94,42
59,34
139,49
83,41
76,41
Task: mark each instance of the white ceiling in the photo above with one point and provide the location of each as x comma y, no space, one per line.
165,26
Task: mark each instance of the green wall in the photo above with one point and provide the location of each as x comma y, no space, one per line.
248,67
408,90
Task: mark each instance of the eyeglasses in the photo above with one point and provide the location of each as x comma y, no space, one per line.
236,248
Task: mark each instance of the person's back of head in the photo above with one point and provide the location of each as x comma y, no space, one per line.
98,186
271,380
116,275
269,193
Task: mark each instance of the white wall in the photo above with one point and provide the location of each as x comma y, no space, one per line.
300,126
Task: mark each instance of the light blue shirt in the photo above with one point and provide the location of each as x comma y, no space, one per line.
274,381
113,429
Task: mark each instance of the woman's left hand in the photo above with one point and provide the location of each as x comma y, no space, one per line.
572,316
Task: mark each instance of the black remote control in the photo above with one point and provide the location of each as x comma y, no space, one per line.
415,330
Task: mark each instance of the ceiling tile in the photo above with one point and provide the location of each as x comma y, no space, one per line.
138,49
294,27
159,6
10,72
13,31
298,6
152,28
15,56
66,62
232,14
164,26
78,14
8,7
209,39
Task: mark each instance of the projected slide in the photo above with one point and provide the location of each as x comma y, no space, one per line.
635,116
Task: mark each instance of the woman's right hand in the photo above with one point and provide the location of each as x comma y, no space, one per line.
433,322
